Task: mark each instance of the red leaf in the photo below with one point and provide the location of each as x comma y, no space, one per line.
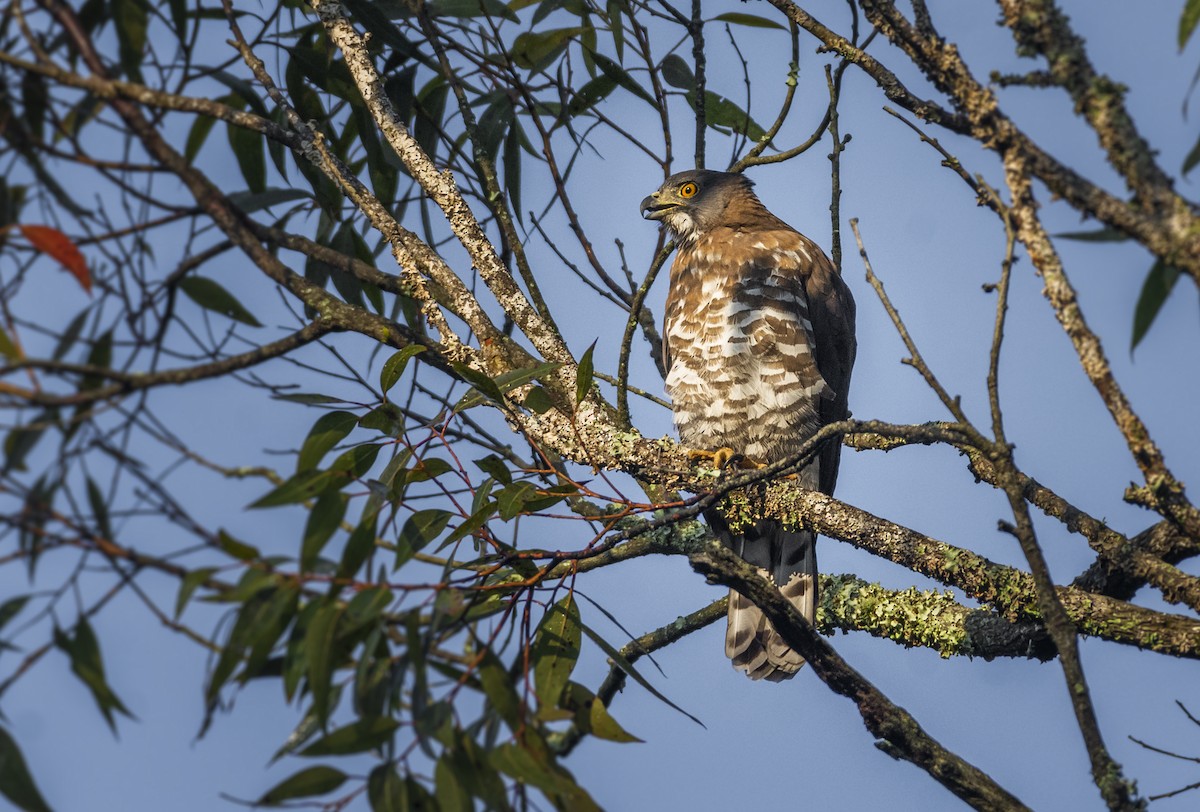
54,243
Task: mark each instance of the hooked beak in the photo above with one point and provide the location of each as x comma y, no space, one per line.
653,209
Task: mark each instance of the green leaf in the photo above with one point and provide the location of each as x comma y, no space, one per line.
1193,158
429,468
249,149
8,348
502,384
500,690
354,463
537,400
1155,290
386,419
555,651
188,585
11,608
301,486
359,546
329,430
304,784
367,605
323,522
1099,235
483,385
721,112
476,520
211,296
591,94
1187,22
450,787
496,468
752,20
535,50
99,356
86,663
70,335
250,202
238,549
520,763
602,725
621,77
99,508
197,135
421,528
16,783
386,790
623,663
309,398
319,645
511,500
17,445
677,73
583,375
393,367
132,20
471,8
363,735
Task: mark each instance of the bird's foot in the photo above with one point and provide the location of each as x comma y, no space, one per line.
725,457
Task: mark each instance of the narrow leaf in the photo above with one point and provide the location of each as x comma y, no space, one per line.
363,735
10,349
211,296
421,528
620,660
498,685
323,521
250,202
450,787
249,149
238,549
329,430
11,608
1193,158
301,486
621,77
1155,290
394,367
304,784
318,643
16,783
87,664
752,20
386,791
555,651
1188,21
188,585
1099,235
584,374
603,726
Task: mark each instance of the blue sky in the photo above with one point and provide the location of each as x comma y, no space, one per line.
794,744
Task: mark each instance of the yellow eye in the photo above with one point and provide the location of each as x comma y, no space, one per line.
688,189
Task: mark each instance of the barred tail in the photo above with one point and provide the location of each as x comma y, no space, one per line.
789,558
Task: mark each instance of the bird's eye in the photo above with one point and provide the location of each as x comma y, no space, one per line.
688,189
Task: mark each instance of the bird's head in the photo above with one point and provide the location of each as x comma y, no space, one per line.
689,203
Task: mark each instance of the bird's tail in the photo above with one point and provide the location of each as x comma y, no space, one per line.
789,558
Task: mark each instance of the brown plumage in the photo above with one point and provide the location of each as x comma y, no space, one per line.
759,344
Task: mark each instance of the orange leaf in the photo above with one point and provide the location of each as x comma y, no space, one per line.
54,243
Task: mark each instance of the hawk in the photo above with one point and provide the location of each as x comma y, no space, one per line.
759,346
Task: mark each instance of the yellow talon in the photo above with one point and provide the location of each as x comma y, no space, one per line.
723,457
